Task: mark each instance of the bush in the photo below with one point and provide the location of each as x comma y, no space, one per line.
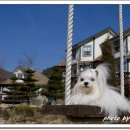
24,110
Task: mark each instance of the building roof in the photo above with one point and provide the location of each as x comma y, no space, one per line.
42,79
7,81
61,64
110,30
125,34
20,68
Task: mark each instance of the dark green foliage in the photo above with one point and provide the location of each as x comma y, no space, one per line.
107,57
55,88
23,91
30,87
49,71
16,92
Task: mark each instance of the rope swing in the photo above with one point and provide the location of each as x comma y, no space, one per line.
121,51
69,55
84,110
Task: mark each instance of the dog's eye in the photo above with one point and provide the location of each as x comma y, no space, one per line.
92,79
81,79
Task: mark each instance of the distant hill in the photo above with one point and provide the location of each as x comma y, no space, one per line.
4,74
48,72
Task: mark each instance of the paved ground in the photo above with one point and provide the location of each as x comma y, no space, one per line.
2,121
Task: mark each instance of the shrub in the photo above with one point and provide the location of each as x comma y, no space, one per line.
24,110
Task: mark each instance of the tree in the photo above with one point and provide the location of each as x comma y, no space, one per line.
30,86
55,88
27,61
23,91
107,57
14,92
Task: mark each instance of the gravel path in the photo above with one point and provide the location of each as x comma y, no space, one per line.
2,121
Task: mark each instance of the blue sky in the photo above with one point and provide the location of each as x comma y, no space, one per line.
41,30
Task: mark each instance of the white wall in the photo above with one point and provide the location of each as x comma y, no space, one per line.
128,40
88,58
97,49
78,54
19,72
98,41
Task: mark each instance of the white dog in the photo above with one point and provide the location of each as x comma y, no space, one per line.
92,89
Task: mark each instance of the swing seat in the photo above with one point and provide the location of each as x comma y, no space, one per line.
73,110
76,111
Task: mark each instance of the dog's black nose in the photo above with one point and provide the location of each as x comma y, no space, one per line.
86,83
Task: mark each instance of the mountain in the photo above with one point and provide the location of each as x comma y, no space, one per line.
4,74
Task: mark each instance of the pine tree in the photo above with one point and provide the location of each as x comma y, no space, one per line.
23,91
107,57
55,88
14,91
30,87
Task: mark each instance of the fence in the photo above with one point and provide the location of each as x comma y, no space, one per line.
126,84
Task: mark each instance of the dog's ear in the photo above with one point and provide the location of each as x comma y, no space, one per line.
96,72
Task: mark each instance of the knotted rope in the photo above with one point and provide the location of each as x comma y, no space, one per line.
121,51
69,55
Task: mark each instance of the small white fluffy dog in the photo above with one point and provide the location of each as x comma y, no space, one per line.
92,89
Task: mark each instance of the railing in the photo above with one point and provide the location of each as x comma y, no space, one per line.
126,84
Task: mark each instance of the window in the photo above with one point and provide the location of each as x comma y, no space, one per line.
116,45
20,76
86,50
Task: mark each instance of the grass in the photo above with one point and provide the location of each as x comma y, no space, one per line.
24,110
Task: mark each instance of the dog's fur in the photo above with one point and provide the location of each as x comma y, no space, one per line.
92,89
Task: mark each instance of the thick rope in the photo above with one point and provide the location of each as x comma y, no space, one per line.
69,55
121,51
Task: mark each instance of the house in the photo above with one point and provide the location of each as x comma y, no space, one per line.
115,44
20,73
60,66
88,51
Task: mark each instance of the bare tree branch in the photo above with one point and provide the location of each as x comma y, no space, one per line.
27,60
